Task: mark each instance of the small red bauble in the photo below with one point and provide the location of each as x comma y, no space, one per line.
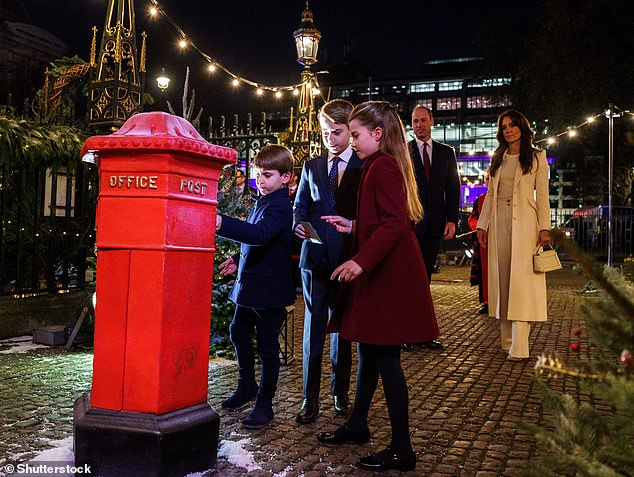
576,331
626,359
574,346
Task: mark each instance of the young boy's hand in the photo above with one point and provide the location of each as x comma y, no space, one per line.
218,222
300,232
228,267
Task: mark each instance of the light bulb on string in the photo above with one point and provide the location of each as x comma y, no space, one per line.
550,140
278,94
153,11
235,82
590,119
572,133
295,91
259,91
211,68
182,43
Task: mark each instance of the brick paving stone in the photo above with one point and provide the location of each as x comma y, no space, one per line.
465,400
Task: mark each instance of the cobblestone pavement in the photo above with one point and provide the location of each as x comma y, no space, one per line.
465,401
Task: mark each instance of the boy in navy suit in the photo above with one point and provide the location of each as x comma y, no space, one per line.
264,285
328,186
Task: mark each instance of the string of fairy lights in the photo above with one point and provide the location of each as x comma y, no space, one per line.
572,131
187,41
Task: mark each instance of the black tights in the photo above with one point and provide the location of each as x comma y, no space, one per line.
384,361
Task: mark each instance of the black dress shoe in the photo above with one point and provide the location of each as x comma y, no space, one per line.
484,309
308,412
437,345
342,405
342,435
386,460
408,347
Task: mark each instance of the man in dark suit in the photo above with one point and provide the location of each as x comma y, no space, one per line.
438,187
328,186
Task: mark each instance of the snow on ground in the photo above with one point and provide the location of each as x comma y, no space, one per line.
62,451
21,344
236,454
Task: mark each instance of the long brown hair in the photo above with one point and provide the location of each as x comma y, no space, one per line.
526,142
380,114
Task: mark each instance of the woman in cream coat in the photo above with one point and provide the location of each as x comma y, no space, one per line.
516,213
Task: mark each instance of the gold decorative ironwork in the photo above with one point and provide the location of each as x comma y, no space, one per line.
93,47
115,78
305,140
143,50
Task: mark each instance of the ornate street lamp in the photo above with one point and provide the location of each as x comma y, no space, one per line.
305,141
307,39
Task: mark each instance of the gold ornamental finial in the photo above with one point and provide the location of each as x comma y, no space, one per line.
117,44
142,62
93,47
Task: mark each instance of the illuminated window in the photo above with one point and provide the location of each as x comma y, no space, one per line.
490,82
450,86
483,102
448,104
422,87
342,93
427,102
59,189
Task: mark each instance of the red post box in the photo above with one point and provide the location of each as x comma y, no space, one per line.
156,214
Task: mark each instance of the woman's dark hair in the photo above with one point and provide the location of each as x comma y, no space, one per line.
526,142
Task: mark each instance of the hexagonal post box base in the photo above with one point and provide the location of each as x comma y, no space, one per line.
117,443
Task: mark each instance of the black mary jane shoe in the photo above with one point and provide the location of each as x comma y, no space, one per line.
386,460
343,435
435,345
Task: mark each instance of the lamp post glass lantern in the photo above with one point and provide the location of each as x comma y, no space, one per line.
163,81
307,39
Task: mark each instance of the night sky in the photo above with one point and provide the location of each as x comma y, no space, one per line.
254,39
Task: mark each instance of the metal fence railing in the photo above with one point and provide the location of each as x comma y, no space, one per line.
47,235
588,227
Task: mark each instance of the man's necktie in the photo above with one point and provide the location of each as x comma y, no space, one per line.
426,162
333,176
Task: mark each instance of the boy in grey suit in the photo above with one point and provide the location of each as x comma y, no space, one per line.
328,186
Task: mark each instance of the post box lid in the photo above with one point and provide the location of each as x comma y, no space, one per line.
159,131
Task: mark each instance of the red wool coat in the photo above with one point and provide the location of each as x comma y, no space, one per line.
390,302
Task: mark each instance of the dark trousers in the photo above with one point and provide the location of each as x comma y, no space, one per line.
319,296
267,322
429,245
384,361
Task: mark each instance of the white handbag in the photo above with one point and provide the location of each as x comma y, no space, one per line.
545,260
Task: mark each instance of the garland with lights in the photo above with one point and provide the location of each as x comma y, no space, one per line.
572,131
212,64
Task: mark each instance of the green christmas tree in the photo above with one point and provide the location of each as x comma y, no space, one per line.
234,204
594,437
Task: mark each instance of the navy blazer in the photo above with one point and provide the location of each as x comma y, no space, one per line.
313,201
265,269
441,195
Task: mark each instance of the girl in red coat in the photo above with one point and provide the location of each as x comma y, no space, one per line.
381,305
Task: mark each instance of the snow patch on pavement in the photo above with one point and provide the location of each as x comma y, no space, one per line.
21,344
